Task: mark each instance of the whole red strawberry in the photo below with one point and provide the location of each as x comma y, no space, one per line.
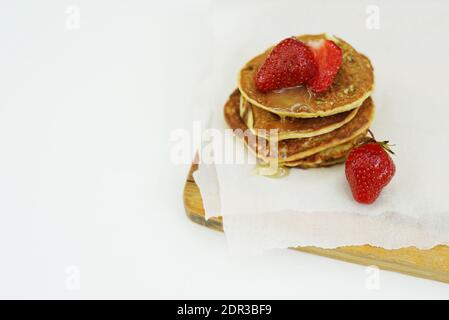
289,64
369,168
328,57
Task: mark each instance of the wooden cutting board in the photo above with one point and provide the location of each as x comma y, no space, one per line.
431,264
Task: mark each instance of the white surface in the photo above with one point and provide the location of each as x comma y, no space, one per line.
85,176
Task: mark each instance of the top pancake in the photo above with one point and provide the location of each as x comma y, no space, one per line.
353,83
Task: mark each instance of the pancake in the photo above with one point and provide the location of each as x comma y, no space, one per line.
290,128
328,157
295,149
353,83
317,164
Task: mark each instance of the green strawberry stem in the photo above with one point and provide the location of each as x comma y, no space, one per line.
384,144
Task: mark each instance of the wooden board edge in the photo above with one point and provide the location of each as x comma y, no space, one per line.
432,264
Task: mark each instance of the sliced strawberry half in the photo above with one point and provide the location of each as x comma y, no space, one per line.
328,57
291,63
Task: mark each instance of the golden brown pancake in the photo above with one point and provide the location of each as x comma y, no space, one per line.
260,121
353,83
329,156
318,164
295,149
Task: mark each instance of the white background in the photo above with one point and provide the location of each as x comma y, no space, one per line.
90,204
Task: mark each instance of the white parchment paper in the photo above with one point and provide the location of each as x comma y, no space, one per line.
410,53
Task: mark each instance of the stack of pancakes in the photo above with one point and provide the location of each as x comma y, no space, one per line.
312,130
